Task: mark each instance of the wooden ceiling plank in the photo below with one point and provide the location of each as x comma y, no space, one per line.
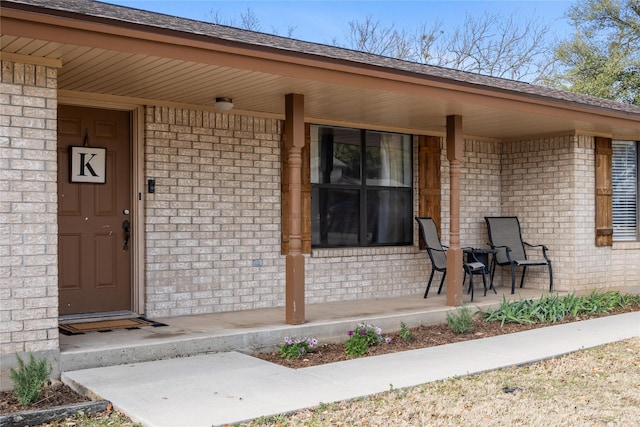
165,77
14,44
227,85
78,61
93,65
128,71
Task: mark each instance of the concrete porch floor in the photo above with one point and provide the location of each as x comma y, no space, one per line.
253,331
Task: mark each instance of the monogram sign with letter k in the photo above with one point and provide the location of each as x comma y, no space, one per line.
88,164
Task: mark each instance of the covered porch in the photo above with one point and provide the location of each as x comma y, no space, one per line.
218,203
254,331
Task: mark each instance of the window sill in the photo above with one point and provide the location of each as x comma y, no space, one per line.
626,246
351,252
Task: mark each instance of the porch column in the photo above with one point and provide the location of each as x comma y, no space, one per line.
294,134
455,153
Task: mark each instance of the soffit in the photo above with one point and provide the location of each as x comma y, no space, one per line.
338,97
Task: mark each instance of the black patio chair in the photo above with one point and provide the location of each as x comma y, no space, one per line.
438,256
505,237
437,252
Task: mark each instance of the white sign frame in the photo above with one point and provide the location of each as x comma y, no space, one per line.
88,164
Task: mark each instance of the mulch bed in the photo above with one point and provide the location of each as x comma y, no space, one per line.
54,394
422,337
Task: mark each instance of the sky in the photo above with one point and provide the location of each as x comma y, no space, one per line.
324,21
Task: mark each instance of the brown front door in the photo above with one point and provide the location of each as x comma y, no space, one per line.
94,205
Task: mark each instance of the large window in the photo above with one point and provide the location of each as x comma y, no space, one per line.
625,190
361,188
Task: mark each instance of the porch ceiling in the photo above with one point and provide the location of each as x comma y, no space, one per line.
162,71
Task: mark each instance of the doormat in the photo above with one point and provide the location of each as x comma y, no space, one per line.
107,325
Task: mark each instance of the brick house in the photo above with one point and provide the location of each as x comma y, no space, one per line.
118,171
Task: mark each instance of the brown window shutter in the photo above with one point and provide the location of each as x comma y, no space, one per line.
429,191
604,192
306,193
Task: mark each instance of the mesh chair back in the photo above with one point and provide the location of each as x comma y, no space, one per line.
505,231
431,240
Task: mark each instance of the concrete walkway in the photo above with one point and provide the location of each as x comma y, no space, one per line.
231,387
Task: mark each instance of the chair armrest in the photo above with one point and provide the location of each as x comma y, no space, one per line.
543,247
534,246
507,251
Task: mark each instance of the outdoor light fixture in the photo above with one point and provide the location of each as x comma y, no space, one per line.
224,103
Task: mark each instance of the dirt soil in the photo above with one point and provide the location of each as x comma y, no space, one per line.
54,394
422,337
57,394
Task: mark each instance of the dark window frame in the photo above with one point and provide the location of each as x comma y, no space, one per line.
364,190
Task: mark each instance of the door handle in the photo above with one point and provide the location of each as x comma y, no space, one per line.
126,226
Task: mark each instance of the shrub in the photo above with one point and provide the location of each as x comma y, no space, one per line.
363,337
461,321
552,308
29,379
405,333
294,348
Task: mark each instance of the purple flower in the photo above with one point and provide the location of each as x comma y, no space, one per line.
350,333
362,332
387,340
